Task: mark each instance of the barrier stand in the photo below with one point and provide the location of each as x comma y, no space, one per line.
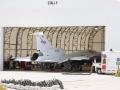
117,74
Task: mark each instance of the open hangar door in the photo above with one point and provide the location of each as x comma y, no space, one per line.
18,41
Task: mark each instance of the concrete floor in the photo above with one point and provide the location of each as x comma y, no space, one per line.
71,81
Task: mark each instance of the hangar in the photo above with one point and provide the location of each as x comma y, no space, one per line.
18,41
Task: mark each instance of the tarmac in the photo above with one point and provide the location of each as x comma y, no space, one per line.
70,80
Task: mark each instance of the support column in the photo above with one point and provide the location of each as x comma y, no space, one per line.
1,49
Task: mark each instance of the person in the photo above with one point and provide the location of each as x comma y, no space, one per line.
10,59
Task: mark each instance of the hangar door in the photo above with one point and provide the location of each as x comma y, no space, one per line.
19,42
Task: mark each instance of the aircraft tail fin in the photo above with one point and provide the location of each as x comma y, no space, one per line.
42,43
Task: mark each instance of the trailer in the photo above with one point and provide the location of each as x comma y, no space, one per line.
110,61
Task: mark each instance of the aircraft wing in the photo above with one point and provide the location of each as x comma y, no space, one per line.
26,59
47,60
51,59
80,55
79,58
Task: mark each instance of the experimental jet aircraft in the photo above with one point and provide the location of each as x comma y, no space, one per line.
51,54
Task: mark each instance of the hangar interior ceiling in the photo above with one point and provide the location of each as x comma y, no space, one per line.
19,42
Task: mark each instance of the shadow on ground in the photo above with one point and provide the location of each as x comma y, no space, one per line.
76,73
